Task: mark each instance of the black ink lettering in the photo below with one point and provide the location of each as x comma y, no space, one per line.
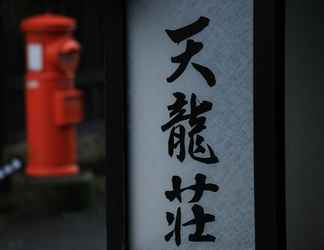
197,124
200,220
180,143
199,188
206,73
181,34
177,227
192,48
183,59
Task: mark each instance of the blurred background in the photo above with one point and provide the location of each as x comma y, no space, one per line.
305,124
90,76
32,228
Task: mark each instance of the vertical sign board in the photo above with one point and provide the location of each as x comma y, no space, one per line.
191,124
203,167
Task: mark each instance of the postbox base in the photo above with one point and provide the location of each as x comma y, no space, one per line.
52,195
48,170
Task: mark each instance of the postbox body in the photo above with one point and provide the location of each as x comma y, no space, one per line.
53,104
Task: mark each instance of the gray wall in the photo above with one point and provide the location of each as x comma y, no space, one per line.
305,124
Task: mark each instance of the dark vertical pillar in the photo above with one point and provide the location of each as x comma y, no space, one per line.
115,72
269,116
305,124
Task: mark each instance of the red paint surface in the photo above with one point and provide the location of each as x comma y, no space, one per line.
54,106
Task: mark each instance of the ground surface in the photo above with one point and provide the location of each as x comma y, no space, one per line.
32,228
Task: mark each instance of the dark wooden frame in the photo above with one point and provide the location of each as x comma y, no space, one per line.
268,124
269,127
116,145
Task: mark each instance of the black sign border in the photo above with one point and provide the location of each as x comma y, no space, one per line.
269,142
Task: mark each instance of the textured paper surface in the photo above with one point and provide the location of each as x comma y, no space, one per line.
228,52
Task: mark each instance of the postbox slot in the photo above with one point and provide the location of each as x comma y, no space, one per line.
68,108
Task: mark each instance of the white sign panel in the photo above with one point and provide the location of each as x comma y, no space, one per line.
35,56
191,124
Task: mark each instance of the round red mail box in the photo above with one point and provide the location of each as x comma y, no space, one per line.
53,104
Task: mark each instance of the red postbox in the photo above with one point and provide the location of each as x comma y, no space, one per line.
53,104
